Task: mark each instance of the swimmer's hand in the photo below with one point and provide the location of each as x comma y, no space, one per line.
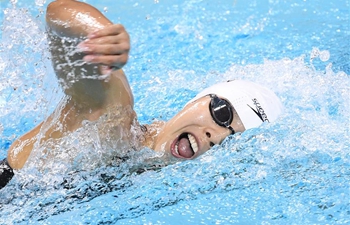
109,46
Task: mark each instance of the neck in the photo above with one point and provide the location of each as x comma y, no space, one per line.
151,133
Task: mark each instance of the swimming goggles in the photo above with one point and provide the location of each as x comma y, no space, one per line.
221,111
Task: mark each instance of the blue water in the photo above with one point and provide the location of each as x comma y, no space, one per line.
294,171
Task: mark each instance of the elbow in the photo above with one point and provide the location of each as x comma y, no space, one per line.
53,9
74,19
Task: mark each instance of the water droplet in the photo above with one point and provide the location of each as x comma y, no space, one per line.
314,53
40,2
324,55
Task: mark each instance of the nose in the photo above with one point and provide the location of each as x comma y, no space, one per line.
208,134
215,136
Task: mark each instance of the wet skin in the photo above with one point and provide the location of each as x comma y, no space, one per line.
194,119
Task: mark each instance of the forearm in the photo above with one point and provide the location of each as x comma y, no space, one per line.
82,39
69,22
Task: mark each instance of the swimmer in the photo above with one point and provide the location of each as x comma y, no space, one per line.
88,54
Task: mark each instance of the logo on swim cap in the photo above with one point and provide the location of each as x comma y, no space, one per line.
259,111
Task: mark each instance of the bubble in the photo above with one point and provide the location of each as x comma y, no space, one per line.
324,55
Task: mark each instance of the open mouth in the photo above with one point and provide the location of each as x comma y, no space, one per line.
185,146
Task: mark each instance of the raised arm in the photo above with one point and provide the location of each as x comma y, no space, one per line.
84,46
82,39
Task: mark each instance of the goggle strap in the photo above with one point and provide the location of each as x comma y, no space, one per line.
231,129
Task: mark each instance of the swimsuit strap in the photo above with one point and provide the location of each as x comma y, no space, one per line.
6,173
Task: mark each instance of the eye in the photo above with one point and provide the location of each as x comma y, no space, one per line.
211,144
208,134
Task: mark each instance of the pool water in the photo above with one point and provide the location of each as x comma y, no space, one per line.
293,171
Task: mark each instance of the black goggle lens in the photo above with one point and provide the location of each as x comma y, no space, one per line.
221,111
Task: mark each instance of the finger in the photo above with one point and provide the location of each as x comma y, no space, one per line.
112,39
106,69
107,31
117,61
105,49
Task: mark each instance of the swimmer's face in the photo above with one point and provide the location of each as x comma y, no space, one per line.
193,131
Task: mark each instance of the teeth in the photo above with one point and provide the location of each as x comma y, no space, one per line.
193,143
177,148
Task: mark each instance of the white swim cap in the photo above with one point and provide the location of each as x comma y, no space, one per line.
253,103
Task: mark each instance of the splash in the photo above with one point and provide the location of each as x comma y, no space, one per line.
291,171
298,155
25,72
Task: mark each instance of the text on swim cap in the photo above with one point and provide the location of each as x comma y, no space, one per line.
259,111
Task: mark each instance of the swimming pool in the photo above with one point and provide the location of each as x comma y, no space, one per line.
294,171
